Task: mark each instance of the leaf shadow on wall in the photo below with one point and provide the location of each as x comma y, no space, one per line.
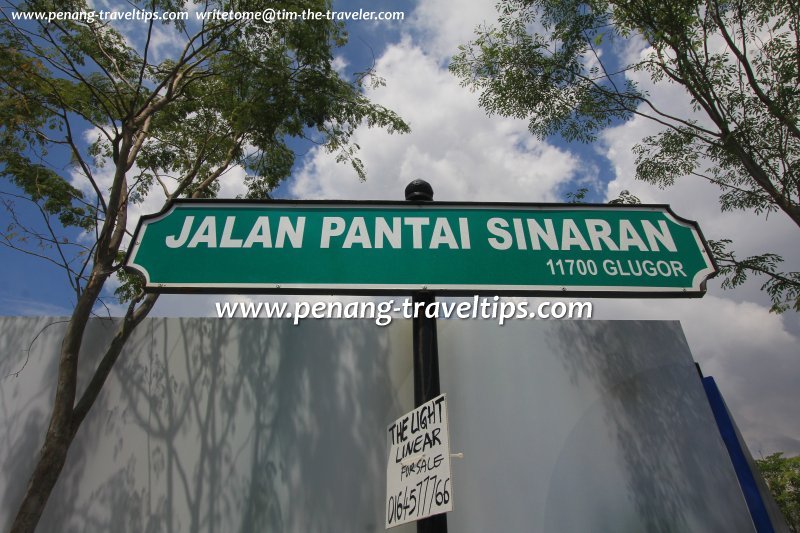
652,408
232,425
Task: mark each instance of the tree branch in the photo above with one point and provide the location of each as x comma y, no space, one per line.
133,317
781,116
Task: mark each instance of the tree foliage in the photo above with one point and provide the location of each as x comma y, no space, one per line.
782,475
95,118
570,66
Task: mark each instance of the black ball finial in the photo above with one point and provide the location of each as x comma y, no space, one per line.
419,190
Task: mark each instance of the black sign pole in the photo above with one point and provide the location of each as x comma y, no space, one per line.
426,353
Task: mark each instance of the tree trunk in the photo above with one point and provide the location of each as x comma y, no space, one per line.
44,477
67,416
60,432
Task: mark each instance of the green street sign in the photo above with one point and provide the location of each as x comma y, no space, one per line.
400,247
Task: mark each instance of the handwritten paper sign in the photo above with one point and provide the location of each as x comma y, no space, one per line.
418,472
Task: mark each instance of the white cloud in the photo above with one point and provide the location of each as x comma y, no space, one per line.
340,64
29,307
453,145
443,25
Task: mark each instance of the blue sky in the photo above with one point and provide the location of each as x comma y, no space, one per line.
468,156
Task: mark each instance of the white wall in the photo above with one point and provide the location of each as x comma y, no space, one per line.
254,425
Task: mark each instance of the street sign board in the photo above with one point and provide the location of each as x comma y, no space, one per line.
418,483
401,247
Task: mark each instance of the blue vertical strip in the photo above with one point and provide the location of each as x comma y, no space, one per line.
752,496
